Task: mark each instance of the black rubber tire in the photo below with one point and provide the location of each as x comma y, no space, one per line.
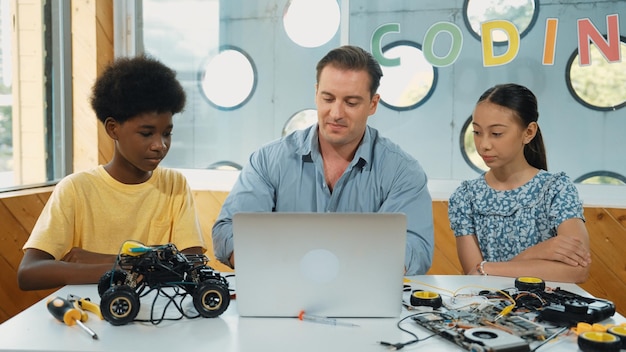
619,331
211,298
119,305
111,278
529,283
594,341
426,298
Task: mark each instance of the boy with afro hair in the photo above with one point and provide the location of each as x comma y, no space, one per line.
90,214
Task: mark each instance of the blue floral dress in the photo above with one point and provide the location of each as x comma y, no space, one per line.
508,222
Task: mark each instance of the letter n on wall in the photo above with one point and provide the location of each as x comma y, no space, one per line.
587,33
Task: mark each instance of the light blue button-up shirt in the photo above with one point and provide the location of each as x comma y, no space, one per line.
287,175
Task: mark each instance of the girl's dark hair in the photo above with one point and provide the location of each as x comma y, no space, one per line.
350,57
523,103
130,86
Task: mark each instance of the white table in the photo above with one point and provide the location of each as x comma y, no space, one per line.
36,330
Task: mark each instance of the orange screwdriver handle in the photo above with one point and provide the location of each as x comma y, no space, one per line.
63,311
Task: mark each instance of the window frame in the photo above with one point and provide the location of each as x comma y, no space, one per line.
220,180
431,90
570,86
55,65
477,36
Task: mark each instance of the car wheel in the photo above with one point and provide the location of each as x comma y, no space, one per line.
119,305
595,341
211,298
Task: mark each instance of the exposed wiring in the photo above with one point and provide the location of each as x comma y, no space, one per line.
456,292
400,345
176,299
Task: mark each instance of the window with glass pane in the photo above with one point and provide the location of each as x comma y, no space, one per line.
35,123
244,74
249,71
598,85
6,98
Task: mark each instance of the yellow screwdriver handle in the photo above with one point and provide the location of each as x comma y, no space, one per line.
63,311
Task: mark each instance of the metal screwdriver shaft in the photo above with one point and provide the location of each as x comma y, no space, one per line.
87,329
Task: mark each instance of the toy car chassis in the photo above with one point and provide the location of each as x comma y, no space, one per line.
154,267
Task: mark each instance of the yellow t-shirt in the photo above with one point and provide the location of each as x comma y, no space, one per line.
95,212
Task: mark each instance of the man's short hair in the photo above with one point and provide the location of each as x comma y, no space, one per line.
350,57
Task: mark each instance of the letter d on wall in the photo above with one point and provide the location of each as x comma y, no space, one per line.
486,30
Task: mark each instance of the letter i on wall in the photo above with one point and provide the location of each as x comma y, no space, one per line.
549,44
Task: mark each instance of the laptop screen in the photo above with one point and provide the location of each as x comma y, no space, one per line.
330,264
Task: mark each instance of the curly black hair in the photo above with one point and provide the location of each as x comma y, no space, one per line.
130,86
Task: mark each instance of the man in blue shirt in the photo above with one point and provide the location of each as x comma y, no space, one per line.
339,164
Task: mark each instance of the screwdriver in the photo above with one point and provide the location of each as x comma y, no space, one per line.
65,312
322,320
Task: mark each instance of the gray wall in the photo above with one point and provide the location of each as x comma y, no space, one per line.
578,140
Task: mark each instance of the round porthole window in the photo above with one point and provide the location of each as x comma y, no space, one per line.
311,23
410,84
300,121
522,13
224,165
468,148
599,85
229,79
602,178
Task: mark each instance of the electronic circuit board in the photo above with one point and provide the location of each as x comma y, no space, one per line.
512,319
483,330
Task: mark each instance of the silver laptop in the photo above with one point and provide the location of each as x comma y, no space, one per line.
327,264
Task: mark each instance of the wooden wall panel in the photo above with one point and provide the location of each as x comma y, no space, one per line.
608,254
18,214
606,228
445,259
619,216
208,205
92,50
